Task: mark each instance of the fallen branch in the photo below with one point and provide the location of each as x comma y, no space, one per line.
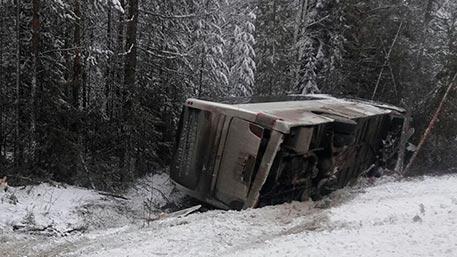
22,227
47,230
431,125
162,194
113,195
386,61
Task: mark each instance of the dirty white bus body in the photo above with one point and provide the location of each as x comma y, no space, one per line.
249,152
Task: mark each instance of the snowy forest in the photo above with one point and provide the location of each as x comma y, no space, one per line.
91,90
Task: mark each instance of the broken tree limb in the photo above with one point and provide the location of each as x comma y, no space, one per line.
113,195
391,70
431,125
386,61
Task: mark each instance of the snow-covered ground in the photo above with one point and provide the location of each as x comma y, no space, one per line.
42,206
408,218
62,209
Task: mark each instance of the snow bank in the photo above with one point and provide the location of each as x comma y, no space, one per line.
43,206
409,218
154,193
59,209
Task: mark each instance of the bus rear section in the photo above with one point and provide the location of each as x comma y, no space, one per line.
216,156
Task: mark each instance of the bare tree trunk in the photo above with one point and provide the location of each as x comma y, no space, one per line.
108,78
431,125
131,46
202,58
273,48
75,126
116,99
386,61
423,33
19,149
129,84
119,64
35,52
302,12
77,58
85,66
2,83
67,57
202,67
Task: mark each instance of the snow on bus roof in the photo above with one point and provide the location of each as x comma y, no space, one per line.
297,110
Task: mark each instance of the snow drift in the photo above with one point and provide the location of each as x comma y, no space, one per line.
391,218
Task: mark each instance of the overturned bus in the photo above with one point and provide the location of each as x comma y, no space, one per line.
242,153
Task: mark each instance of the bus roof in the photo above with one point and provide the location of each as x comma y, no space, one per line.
284,112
